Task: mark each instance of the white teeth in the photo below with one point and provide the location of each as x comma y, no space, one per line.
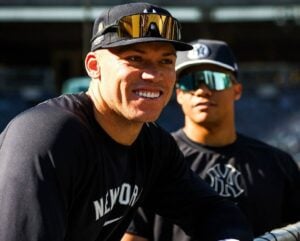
148,94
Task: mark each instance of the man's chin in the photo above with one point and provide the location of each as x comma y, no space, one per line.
144,118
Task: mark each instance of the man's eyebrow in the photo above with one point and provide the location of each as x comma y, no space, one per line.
170,53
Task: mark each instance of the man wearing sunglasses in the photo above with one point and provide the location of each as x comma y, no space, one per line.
76,167
262,180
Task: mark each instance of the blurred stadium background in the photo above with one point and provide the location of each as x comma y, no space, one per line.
43,43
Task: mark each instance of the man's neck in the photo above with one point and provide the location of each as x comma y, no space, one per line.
214,136
121,130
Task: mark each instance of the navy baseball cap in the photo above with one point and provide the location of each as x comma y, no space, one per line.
207,51
133,23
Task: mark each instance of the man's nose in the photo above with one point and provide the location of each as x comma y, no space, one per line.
203,90
151,72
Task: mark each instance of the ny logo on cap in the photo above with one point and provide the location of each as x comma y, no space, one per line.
199,51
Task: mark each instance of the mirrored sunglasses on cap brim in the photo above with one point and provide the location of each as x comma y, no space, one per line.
145,25
213,80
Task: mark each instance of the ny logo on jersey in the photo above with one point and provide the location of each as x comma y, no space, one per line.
225,180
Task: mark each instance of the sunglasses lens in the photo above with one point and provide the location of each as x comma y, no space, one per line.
149,25
213,80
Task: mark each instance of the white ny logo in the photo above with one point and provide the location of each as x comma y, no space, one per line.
225,181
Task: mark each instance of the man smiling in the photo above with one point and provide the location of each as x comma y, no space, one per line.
76,167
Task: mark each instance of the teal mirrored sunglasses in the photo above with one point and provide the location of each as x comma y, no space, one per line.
212,79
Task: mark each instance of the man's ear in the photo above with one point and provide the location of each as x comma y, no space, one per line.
178,95
238,89
92,65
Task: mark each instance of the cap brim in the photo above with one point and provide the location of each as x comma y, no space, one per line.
187,64
180,46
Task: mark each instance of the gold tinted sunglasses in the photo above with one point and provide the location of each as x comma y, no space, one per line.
145,25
